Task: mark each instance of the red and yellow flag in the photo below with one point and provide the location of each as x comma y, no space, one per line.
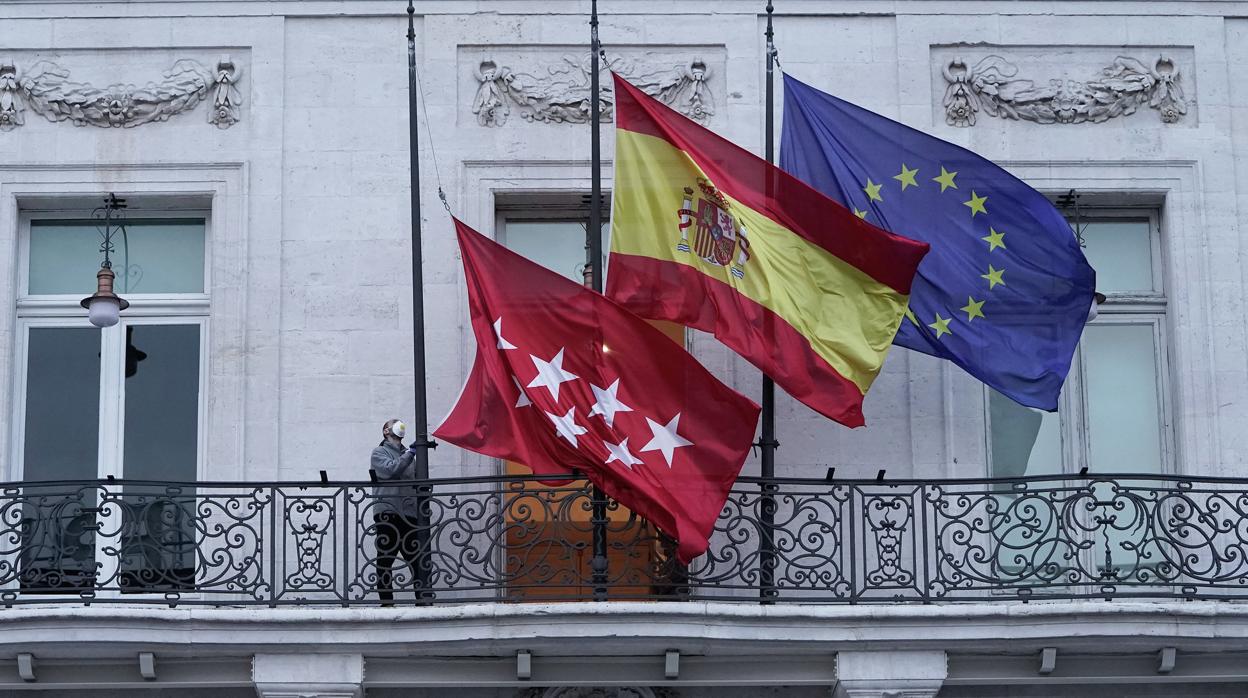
708,235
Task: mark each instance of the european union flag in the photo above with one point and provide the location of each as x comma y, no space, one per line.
1004,292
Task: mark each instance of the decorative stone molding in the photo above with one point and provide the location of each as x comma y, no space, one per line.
890,674
226,98
308,675
559,92
1124,86
10,107
45,89
597,692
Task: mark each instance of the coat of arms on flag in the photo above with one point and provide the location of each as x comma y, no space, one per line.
826,290
718,238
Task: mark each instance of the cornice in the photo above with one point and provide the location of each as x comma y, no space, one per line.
498,629
124,9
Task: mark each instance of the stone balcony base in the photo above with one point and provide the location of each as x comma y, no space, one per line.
858,651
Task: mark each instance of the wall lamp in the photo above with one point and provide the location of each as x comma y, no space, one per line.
104,307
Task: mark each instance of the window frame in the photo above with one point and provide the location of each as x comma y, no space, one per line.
147,309
27,302
1120,308
553,207
1080,434
1119,214
64,310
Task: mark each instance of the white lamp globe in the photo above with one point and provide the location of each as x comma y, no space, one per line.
104,312
104,307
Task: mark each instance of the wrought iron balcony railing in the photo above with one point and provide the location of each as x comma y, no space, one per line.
514,539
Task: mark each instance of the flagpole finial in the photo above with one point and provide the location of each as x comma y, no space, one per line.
770,34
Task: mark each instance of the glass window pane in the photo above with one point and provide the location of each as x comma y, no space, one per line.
162,402
158,549
153,256
61,443
556,245
1124,425
62,404
1121,252
1024,441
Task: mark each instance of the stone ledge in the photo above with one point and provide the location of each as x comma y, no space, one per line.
364,8
623,628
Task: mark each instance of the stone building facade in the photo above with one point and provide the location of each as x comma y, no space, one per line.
270,138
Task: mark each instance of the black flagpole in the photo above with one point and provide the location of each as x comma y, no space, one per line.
594,235
421,418
767,442
595,155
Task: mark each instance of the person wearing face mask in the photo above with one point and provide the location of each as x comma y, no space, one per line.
395,507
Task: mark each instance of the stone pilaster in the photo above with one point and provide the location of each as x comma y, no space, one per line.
884,674
308,675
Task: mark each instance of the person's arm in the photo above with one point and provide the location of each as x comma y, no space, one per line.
390,467
407,465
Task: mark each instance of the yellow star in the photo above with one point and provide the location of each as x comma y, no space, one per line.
906,177
994,277
941,326
873,190
860,214
911,317
994,239
976,203
973,309
946,180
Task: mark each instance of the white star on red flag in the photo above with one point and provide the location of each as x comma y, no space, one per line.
665,440
567,426
550,374
607,403
620,452
498,332
523,400
555,338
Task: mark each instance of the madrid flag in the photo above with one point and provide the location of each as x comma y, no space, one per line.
706,234
565,378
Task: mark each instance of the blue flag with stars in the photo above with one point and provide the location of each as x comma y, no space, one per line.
1004,292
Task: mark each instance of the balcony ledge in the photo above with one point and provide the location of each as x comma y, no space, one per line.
627,628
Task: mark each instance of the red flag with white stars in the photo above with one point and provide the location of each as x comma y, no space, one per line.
566,378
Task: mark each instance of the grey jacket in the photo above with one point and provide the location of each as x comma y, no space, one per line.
391,462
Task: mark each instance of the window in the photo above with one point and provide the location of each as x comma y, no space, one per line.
1112,416
125,401
550,229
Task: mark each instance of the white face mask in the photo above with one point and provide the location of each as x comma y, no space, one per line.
398,429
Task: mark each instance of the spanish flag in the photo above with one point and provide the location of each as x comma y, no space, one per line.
705,234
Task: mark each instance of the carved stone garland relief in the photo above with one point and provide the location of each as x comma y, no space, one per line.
559,93
45,89
1126,85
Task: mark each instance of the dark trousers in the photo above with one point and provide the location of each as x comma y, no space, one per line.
396,537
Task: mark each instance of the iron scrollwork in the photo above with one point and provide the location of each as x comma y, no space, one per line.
515,539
